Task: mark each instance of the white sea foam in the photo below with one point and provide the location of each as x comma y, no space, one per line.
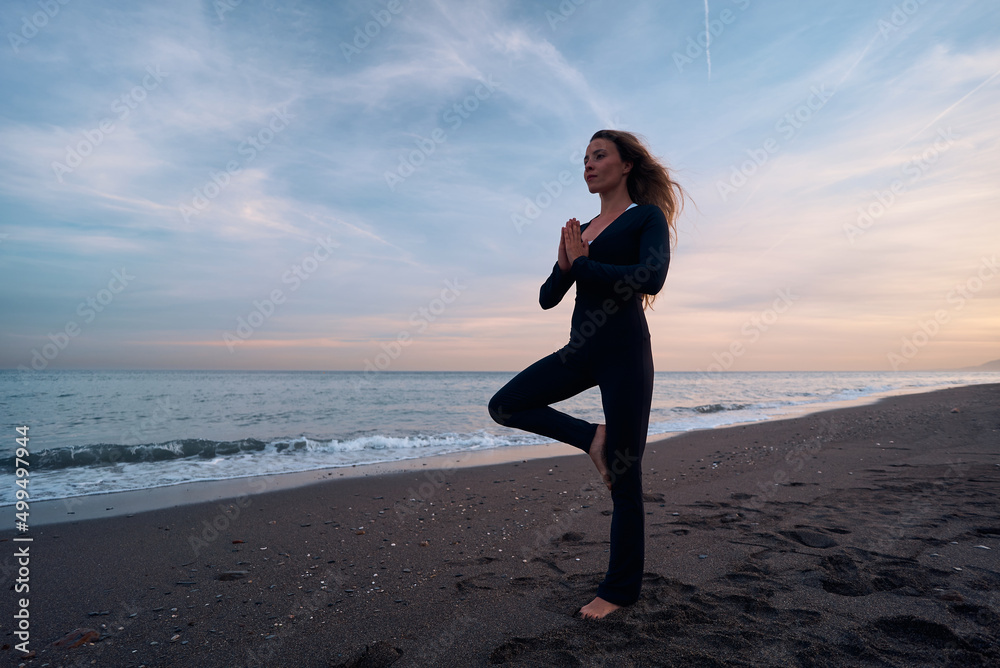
98,432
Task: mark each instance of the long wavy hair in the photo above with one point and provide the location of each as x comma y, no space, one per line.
649,182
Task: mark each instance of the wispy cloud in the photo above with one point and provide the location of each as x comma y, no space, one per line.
202,138
708,42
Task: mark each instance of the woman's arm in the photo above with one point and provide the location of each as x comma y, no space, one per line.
559,280
647,276
555,287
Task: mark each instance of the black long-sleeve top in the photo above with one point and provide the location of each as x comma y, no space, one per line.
627,259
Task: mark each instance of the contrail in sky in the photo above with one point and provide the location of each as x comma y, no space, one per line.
708,42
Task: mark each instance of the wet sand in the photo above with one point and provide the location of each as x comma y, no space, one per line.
861,536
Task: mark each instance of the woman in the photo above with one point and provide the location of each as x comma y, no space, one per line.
618,261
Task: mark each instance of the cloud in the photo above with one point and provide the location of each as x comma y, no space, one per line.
352,122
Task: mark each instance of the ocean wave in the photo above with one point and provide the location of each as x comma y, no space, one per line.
104,454
108,453
719,408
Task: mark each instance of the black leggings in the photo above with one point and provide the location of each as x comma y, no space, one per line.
624,372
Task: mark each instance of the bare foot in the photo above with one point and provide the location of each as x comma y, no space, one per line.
597,609
597,454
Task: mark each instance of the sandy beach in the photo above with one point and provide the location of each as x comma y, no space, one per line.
864,536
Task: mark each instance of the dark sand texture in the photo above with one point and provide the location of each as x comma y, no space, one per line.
855,537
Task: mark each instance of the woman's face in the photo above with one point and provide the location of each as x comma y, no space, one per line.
603,168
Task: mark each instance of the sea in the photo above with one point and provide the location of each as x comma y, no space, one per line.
95,432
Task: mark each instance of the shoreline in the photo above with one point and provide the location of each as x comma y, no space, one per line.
132,502
865,535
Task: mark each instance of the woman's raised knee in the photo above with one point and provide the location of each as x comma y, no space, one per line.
497,412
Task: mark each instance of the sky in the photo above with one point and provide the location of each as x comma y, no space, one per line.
380,185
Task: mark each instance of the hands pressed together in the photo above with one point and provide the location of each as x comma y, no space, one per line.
571,244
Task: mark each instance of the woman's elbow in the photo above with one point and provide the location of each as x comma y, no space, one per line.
546,300
655,284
